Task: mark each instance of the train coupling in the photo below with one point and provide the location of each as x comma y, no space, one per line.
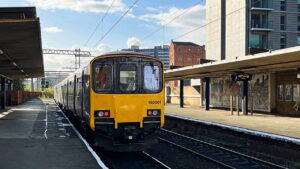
131,133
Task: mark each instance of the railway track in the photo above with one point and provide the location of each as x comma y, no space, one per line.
219,155
125,160
133,160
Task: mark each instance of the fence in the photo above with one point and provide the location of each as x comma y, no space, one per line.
22,96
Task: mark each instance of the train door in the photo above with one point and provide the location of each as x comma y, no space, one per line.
74,96
70,90
63,95
81,94
67,95
86,95
78,96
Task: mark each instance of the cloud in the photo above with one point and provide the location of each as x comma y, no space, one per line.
153,9
192,18
98,50
149,26
59,62
52,29
81,5
133,41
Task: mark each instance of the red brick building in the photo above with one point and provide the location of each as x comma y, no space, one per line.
185,54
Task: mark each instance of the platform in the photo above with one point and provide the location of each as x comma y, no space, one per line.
37,135
265,123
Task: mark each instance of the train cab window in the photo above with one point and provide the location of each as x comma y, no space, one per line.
128,76
151,78
103,77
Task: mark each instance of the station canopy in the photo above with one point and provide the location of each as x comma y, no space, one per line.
20,43
273,61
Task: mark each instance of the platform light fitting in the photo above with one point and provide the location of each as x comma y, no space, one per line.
22,71
1,52
15,64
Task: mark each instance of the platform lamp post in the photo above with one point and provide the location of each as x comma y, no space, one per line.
181,98
245,96
9,95
207,93
2,93
244,77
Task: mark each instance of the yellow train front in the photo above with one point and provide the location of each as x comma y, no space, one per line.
122,100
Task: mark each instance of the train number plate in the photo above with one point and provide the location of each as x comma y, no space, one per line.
154,102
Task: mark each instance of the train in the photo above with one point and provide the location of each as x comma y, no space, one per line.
117,100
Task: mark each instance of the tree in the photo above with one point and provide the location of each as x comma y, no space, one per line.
18,84
48,92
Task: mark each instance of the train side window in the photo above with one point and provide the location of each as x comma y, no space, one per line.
103,77
280,92
78,82
296,93
151,78
128,77
288,92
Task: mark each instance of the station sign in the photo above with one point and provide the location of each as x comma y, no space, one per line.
44,83
241,77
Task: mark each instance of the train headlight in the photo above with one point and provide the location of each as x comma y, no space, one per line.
153,112
102,113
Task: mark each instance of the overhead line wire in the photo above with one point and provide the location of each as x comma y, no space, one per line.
100,21
116,23
199,27
176,17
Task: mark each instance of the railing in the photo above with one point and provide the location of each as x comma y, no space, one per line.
262,4
261,45
262,25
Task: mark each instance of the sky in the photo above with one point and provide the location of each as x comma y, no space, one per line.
86,24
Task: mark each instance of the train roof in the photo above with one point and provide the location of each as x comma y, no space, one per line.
120,53
124,53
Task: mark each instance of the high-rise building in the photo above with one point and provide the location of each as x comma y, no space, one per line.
240,28
160,52
244,27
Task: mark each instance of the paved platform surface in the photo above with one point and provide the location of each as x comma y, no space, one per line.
35,135
285,126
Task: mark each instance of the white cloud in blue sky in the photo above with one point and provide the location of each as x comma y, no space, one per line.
57,62
133,41
186,20
52,29
194,16
81,5
73,21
